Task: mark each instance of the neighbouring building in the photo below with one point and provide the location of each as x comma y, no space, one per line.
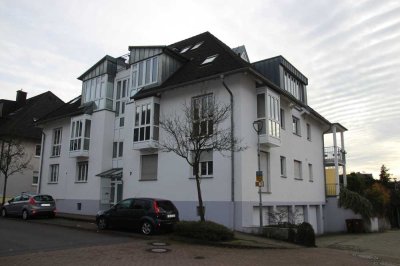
17,121
102,146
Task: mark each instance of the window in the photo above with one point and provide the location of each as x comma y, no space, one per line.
120,149
297,170
209,59
56,148
54,168
82,171
149,165
206,166
296,126
120,103
115,149
293,86
308,132
197,45
185,49
202,115
310,173
37,150
80,134
142,122
283,166
282,119
261,114
145,72
273,116
35,178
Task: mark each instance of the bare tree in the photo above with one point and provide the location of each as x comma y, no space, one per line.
198,130
13,159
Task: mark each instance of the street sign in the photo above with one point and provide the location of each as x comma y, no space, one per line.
259,183
259,176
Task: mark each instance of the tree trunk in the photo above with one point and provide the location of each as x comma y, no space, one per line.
201,208
4,189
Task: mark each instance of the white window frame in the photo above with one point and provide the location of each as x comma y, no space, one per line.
56,145
80,133
274,116
35,175
150,122
38,147
206,163
202,114
140,70
54,173
82,172
283,166
296,128
297,166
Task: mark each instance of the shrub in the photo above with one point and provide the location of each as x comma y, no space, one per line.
207,230
355,202
305,235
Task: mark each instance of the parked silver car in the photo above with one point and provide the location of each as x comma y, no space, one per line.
29,205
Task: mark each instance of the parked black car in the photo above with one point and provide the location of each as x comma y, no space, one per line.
147,214
30,205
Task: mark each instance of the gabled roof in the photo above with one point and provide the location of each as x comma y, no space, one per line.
21,122
193,69
69,109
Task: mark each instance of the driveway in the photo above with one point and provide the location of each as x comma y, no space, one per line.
379,247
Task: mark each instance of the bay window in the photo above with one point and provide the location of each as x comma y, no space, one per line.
146,121
80,134
269,113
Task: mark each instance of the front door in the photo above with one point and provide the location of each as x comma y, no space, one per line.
116,191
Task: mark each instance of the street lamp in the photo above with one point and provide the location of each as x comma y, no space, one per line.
258,125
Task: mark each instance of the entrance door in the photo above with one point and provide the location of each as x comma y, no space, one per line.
116,191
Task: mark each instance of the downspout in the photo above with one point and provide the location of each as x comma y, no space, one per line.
41,162
232,153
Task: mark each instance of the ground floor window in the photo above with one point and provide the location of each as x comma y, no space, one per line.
149,164
82,172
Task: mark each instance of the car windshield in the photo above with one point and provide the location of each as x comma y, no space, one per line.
166,205
44,198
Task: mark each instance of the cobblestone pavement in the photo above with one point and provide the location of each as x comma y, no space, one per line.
137,253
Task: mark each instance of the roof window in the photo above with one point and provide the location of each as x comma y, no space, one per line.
197,45
209,59
185,49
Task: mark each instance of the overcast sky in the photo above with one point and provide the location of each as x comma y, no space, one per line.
349,50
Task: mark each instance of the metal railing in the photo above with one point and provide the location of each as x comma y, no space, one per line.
329,154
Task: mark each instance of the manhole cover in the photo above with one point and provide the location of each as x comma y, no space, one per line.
158,250
159,244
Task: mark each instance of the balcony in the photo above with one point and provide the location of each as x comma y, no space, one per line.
329,156
331,190
80,136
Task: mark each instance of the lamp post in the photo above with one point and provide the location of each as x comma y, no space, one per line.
258,125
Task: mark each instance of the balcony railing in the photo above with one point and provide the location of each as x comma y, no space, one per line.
331,190
329,155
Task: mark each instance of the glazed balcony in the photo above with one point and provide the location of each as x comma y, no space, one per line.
331,152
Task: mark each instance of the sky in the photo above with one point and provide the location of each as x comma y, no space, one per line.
349,51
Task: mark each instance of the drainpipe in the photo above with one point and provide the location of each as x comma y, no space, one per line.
232,154
41,162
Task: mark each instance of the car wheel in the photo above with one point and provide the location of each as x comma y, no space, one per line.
102,223
146,228
25,215
3,213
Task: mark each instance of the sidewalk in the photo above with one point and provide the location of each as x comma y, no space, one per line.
242,240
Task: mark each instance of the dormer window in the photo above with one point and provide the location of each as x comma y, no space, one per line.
209,59
145,72
197,45
185,49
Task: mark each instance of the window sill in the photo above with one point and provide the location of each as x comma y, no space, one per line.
311,181
309,140
34,185
52,183
297,134
79,182
283,176
54,156
202,177
144,180
297,178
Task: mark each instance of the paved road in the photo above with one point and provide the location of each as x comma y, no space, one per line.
32,243
19,237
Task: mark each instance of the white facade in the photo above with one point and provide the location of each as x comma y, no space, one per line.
299,189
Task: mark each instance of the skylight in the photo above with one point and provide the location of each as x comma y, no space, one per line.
185,49
209,59
197,45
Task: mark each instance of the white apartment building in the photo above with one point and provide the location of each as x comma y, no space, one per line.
103,145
